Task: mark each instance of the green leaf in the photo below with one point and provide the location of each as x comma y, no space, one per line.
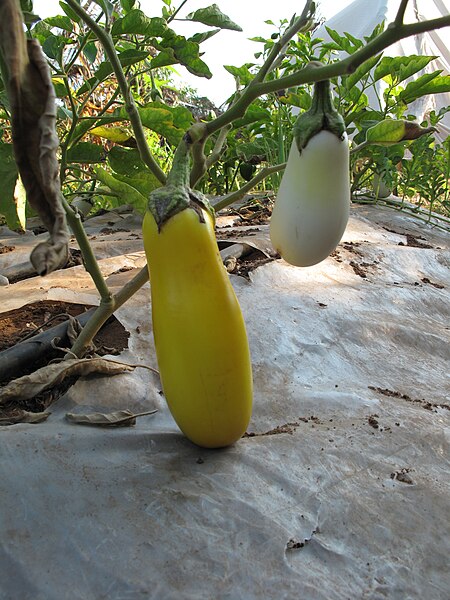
127,5
356,97
387,132
26,5
342,42
41,31
170,122
105,69
213,16
61,22
199,38
187,53
242,73
64,114
259,39
355,41
70,12
116,134
390,131
86,124
164,58
54,45
127,193
132,56
257,149
90,51
143,182
87,86
126,161
60,87
351,80
86,152
30,18
301,99
401,67
430,83
106,6
253,113
138,23
8,178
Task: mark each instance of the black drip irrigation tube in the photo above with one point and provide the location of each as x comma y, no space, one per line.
17,359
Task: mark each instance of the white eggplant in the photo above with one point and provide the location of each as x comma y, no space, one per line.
312,206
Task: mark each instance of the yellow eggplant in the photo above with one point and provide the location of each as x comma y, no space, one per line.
199,332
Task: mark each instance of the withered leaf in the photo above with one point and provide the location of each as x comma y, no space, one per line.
22,416
119,418
33,119
29,386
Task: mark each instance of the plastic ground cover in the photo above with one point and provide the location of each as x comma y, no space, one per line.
340,489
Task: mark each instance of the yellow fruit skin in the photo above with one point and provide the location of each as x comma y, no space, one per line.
200,337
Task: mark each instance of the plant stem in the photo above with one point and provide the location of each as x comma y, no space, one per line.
299,24
230,198
90,262
401,12
218,146
108,45
312,74
105,310
68,137
172,17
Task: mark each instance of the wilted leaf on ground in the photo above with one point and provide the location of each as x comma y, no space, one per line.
29,386
11,417
119,418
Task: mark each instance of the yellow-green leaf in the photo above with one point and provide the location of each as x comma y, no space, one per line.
117,134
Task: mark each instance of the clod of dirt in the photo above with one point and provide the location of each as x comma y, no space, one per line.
4,249
108,230
249,263
424,403
403,476
373,421
358,269
414,241
436,285
289,428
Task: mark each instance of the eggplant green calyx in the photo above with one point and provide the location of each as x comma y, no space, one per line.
321,116
176,195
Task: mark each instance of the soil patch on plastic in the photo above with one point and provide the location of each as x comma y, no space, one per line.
31,319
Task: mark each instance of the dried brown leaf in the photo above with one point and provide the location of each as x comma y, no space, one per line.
22,416
29,386
119,418
33,118
244,244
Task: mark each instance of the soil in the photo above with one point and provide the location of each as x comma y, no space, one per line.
31,319
15,325
394,394
289,428
414,241
249,263
5,249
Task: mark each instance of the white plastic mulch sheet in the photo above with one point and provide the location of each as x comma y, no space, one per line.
341,488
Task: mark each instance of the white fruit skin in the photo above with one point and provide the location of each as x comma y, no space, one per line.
312,206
